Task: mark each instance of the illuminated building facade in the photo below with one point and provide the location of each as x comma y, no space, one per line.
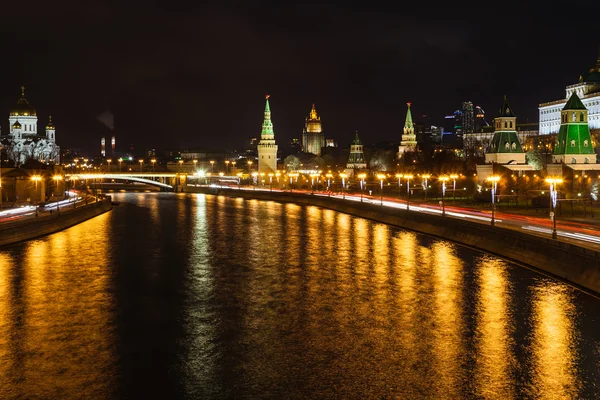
505,147
267,149
588,91
409,138
357,156
574,142
313,138
23,141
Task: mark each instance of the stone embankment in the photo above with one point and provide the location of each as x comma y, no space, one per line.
568,262
46,223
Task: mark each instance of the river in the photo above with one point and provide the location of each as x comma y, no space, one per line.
200,297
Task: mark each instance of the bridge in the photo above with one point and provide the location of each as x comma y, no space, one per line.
164,180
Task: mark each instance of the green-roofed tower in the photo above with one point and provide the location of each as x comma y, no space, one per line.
267,149
409,139
505,147
357,156
574,142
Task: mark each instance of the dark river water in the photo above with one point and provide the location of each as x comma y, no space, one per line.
177,296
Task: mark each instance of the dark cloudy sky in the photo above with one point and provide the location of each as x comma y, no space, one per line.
195,73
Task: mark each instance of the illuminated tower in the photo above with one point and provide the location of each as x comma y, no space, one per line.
103,146
267,149
313,139
26,114
51,130
409,139
574,143
505,147
357,156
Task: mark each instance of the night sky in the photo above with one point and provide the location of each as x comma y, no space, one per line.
183,75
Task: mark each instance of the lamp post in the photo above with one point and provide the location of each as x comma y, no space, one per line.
108,162
233,164
399,176
362,185
249,165
255,179
443,179
426,177
494,179
227,166
153,161
36,179
553,198
312,182
212,166
271,182
381,177
120,161
141,161
56,179
408,178
329,175
343,176
454,177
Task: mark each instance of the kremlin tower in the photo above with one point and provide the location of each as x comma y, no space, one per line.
313,139
574,142
409,139
267,149
505,147
357,157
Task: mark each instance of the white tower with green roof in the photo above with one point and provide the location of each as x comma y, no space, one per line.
574,142
267,149
505,147
409,139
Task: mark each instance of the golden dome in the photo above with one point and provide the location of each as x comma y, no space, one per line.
17,125
50,125
23,108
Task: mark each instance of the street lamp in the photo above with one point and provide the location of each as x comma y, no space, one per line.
227,166
343,176
109,161
399,176
426,177
249,165
271,182
381,177
329,175
494,179
443,179
153,161
362,185
255,180
553,198
56,179
36,179
212,166
120,161
141,161
180,165
454,177
312,182
408,178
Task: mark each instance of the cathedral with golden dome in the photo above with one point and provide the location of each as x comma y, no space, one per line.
313,138
23,141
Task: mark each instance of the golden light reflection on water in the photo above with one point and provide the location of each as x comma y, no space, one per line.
449,339
554,358
493,338
59,314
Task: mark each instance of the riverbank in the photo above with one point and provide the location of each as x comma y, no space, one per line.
566,261
47,223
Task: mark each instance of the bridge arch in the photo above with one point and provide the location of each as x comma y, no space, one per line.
132,178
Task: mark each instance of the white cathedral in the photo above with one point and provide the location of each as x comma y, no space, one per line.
23,141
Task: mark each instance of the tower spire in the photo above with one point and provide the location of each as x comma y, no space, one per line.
22,90
267,126
408,122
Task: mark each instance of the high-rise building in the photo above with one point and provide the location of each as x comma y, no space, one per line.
357,156
468,117
409,139
505,147
267,149
574,142
588,91
313,138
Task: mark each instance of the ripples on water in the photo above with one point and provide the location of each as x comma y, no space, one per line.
192,296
